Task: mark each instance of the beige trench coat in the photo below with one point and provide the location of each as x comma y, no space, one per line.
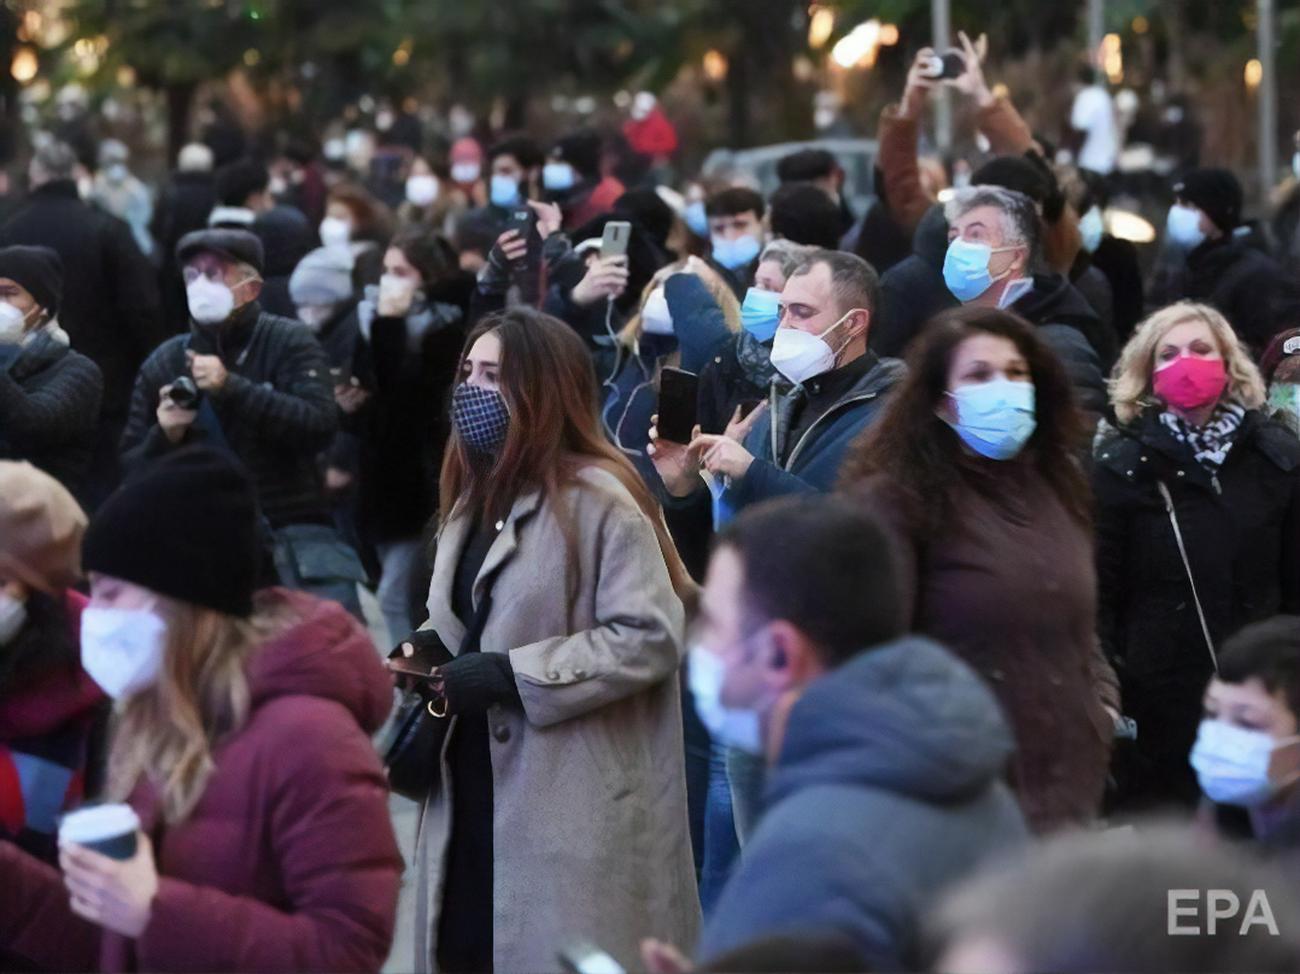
590,833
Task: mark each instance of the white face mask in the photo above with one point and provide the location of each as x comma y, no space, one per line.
396,294
800,355
13,324
656,319
211,302
734,728
13,616
122,649
421,190
1232,763
466,172
335,232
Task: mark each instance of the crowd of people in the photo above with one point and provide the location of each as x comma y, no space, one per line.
326,476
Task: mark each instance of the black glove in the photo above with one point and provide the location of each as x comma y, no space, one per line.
473,682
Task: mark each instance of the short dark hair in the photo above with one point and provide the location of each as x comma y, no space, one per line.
854,282
806,165
806,214
237,181
644,207
1267,651
824,564
524,149
427,252
580,149
733,201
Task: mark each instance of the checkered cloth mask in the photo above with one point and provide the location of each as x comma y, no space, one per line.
480,416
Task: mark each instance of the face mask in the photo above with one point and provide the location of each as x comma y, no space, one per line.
315,316
335,232
800,355
1091,228
558,176
737,253
504,191
697,220
1284,399
1184,226
421,190
13,616
211,302
466,172
966,268
122,649
480,416
116,173
13,324
734,728
1190,383
995,419
1232,763
761,313
1295,165
656,319
278,186
396,294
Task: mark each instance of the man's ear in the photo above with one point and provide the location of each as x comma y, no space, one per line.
790,659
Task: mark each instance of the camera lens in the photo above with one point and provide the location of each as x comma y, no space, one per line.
184,393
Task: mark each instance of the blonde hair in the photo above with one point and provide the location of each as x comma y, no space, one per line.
1130,384
167,733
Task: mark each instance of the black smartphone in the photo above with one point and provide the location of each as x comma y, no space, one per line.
678,404
341,375
522,220
950,65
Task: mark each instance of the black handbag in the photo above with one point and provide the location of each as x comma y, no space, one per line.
412,748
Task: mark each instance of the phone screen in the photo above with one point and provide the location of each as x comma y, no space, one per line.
613,243
678,401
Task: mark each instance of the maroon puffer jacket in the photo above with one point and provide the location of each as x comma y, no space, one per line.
288,862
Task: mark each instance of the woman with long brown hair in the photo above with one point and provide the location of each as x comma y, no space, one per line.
241,746
974,466
562,806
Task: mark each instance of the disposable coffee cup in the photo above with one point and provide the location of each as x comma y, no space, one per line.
108,829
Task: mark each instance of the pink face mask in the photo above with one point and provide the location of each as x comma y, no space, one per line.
1190,383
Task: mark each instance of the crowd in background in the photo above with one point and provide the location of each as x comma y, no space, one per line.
980,544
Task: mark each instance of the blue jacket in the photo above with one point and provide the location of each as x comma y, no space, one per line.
888,790
813,464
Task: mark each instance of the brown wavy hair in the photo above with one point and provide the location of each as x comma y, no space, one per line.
549,384
923,457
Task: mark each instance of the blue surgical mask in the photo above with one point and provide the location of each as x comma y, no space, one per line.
1091,228
558,176
736,253
1184,226
1232,763
697,220
966,268
995,419
761,313
504,191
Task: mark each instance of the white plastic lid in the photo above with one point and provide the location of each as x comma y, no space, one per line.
98,822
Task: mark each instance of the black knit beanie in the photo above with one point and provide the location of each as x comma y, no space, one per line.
185,527
39,270
1216,192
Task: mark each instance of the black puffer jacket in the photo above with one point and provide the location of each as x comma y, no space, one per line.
49,408
1241,529
1068,324
913,291
276,413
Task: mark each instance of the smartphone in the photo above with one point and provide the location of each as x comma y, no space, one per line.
613,242
341,375
522,219
950,65
678,403
588,959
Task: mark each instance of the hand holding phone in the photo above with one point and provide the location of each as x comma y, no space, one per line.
678,404
613,242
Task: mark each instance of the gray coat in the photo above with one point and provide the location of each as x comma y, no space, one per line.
590,833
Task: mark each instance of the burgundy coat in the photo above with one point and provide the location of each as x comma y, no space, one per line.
288,862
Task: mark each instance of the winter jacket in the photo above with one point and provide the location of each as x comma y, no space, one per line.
49,409
288,862
888,790
913,290
1008,586
591,201
1240,280
1064,318
632,393
276,413
286,238
110,308
405,425
590,839
1118,260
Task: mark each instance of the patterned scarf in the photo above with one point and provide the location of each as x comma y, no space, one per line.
1210,443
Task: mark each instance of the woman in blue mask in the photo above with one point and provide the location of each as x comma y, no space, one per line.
974,466
563,767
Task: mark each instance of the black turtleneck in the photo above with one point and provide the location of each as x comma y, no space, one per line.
228,339
820,394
